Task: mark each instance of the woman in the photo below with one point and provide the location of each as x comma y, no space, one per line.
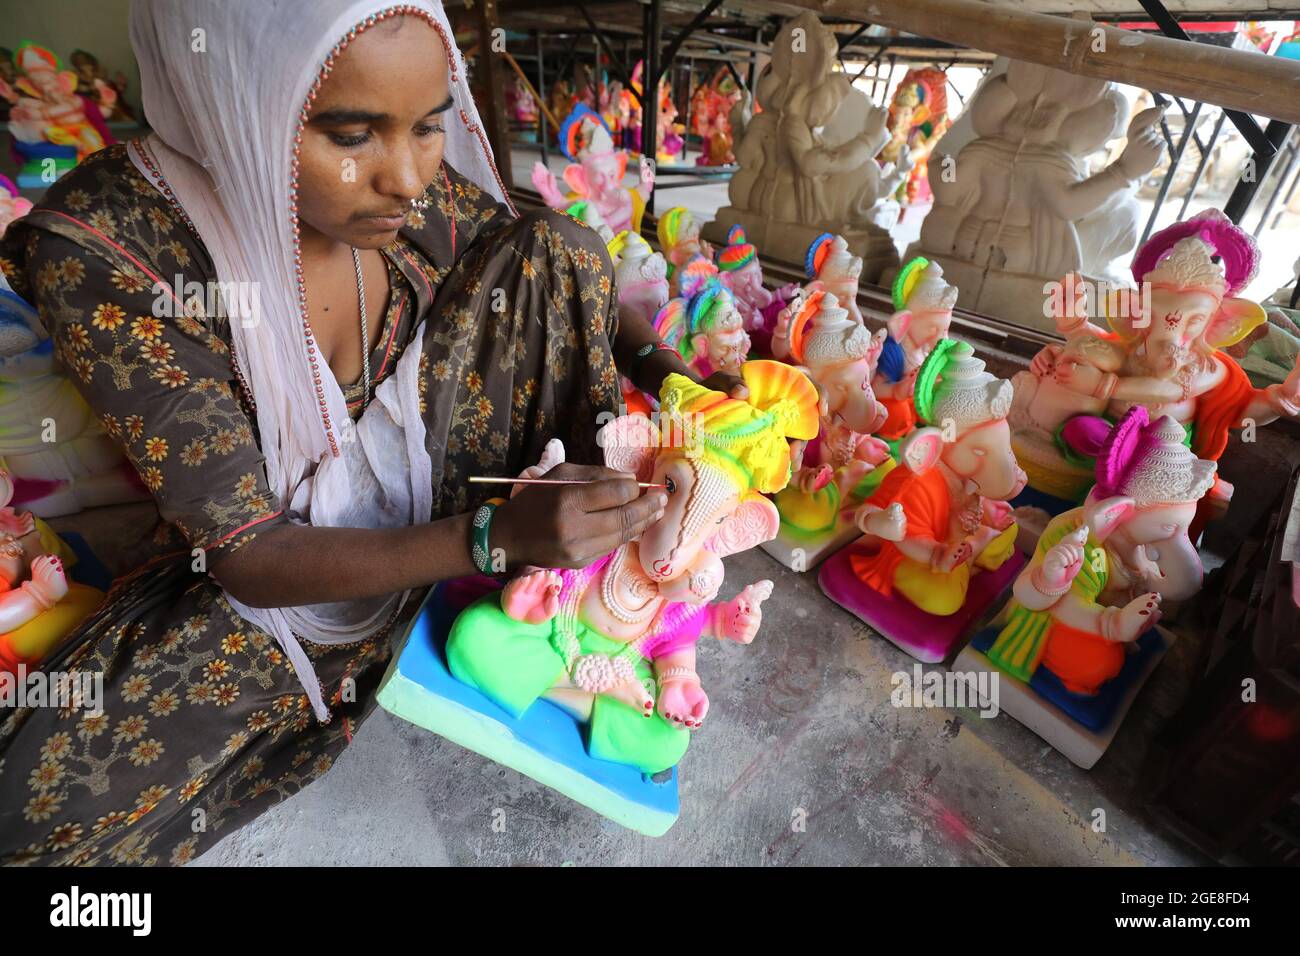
386,326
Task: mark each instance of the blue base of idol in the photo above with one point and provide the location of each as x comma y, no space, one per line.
1080,727
1094,712
545,743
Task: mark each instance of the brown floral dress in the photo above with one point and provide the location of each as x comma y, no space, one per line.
204,724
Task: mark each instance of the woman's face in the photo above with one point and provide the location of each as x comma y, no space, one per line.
374,138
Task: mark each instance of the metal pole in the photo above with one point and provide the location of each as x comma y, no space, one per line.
1281,183
1189,124
543,132
1244,193
1206,150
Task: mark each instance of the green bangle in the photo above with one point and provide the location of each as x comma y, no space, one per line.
479,551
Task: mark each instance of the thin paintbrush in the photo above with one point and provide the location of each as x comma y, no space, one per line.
485,480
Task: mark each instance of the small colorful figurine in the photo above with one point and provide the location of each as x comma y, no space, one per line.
1077,639
918,118
679,239
703,323
595,173
12,205
923,303
641,276
939,537
741,272
616,641
47,119
39,606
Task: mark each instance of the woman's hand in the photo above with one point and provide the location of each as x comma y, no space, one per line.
570,526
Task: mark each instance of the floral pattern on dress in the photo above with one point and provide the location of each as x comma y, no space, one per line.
204,724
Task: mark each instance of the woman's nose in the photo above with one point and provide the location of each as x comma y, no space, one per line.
400,176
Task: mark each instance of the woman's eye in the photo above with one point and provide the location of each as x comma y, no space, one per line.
427,129
670,485
721,518
349,139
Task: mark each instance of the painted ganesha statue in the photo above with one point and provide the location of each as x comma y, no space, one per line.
39,605
944,516
1163,351
615,642
1100,572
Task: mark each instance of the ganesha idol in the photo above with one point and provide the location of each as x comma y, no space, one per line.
39,606
48,120
1163,351
595,173
703,324
839,469
680,242
1078,637
741,272
938,545
923,304
641,276
614,643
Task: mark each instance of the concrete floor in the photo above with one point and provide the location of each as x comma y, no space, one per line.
801,731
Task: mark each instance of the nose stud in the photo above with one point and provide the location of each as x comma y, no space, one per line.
422,203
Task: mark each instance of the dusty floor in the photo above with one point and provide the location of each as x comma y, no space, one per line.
803,760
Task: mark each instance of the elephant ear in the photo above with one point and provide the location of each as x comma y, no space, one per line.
576,178
1235,319
630,443
921,449
897,324
1106,515
754,521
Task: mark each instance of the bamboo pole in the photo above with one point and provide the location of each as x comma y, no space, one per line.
1236,79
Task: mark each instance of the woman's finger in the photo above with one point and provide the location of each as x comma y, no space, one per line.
568,471
614,492
617,526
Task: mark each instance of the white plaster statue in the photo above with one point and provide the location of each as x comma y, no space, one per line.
807,161
1021,206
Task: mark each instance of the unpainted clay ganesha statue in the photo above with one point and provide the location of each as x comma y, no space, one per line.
943,517
1072,614
615,642
1164,352
923,304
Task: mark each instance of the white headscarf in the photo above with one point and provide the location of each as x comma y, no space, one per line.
225,85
